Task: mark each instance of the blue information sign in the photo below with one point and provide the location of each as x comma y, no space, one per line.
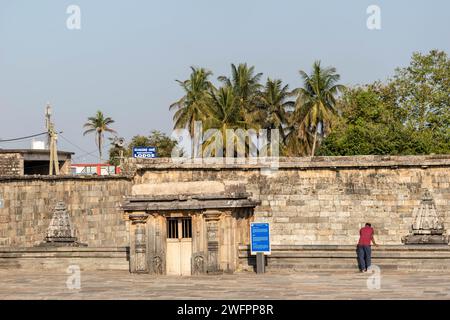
144,152
260,238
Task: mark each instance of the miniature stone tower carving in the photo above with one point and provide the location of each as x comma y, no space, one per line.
427,227
60,231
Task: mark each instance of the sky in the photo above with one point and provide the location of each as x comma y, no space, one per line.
126,56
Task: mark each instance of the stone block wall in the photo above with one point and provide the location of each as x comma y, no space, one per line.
11,164
308,201
325,200
28,202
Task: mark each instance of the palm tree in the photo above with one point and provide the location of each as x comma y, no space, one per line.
98,124
273,105
223,113
315,105
192,106
246,87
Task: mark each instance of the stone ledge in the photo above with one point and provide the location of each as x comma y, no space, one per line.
349,252
357,162
430,248
12,178
37,258
4,250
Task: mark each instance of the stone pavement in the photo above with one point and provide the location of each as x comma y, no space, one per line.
18,284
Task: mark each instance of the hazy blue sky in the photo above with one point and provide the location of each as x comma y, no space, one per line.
127,55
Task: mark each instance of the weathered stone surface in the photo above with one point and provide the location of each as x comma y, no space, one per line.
180,187
307,200
324,200
93,203
11,164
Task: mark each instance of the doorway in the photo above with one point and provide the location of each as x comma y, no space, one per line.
179,246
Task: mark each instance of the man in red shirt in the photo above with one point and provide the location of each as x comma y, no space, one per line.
364,250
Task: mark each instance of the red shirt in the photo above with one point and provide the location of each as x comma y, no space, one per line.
365,236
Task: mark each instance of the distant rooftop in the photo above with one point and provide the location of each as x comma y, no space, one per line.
34,151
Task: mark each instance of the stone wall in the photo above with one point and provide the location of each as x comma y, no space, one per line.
308,201
324,200
11,164
28,201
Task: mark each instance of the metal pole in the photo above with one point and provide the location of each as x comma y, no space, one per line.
260,266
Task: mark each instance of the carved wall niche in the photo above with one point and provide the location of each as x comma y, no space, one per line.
198,263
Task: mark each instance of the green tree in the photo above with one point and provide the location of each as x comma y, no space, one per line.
192,106
246,88
315,104
163,143
366,126
275,102
224,113
98,124
422,93
370,124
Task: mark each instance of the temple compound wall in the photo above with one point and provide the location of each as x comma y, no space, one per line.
27,203
322,200
174,216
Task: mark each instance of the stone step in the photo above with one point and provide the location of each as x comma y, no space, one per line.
298,258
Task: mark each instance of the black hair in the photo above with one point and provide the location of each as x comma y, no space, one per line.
368,224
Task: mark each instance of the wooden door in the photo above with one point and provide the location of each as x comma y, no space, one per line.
179,246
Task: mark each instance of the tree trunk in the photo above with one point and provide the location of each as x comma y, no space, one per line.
313,151
100,146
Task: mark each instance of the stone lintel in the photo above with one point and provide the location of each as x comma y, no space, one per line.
188,205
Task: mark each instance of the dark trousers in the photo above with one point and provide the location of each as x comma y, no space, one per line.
364,257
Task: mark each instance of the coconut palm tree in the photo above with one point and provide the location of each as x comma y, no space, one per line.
245,85
223,113
98,124
315,105
193,105
273,105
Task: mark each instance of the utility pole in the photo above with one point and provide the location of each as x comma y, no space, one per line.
51,141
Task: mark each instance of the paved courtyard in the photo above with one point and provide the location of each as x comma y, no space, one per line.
17,284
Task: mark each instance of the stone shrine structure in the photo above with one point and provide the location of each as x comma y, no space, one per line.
427,227
60,231
184,234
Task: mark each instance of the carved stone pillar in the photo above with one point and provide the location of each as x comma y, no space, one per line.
212,236
138,256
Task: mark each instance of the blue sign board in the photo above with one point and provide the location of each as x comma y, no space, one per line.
144,152
260,238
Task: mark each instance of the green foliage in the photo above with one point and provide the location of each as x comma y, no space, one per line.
98,124
314,109
163,143
410,114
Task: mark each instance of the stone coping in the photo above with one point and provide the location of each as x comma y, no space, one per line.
357,162
61,249
13,178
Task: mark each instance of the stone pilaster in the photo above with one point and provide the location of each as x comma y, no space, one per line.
212,218
138,250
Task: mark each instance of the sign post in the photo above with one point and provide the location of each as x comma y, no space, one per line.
260,243
144,152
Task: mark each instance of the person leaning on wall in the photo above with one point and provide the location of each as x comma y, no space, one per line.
363,249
